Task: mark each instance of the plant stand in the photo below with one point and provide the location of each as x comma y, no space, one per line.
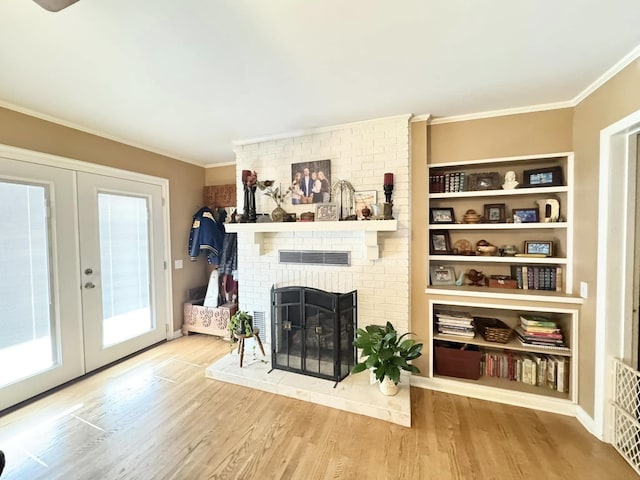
241,337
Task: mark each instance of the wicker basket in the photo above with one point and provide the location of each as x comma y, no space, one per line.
492,329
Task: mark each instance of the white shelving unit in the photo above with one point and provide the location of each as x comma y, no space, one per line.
502,302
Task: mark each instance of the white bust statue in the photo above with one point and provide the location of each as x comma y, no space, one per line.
510,181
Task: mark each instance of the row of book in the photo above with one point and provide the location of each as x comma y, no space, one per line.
534,277
447,183
540,331
457,324
551,371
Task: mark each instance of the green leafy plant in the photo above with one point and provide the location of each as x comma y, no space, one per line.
241,323
386,352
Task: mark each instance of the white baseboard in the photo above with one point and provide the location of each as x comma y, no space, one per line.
589,423
176,334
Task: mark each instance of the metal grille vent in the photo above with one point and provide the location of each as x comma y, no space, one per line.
314,257
259,323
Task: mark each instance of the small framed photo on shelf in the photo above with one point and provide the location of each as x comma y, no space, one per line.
443,275
484,181
525,215
441,215
543,177
495,213
326,212
439,242
538,247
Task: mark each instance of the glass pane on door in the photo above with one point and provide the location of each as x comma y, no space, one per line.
27,331
124,262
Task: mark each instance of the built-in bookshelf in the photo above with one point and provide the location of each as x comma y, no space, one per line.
546,372
526,269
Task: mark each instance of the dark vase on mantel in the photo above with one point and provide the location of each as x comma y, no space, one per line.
252,204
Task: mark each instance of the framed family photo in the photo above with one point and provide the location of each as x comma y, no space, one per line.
439,242
311,182
443,275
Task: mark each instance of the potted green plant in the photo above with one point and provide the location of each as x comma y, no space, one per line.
240,323
386,354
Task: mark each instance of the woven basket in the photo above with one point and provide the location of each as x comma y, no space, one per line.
492,329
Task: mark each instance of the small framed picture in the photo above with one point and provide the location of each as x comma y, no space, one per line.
538,247
525,215
439,241
441,215
495,213
543,177
443,275
363,199
326,212
484,181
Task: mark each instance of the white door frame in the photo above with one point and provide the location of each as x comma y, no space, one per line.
616,231
41,158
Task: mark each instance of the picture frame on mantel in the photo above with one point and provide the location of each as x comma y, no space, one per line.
315,187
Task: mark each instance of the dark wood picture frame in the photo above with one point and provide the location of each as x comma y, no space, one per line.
526,215
441,215
439,242
543,177
538,247
484,181
495,213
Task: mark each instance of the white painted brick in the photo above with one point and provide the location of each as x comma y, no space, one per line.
360,154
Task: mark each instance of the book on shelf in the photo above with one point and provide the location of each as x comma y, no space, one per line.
457,333
451,314
535,277
537,321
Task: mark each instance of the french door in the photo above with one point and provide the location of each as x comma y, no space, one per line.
122,266
81,274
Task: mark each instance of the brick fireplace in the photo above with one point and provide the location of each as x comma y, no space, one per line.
361,153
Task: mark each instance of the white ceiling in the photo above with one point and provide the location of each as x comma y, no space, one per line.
187,77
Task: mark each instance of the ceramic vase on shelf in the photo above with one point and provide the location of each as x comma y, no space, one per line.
278,214
387,387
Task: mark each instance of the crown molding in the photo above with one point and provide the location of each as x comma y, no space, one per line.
214,165
98,133
501,113
608,75
424,117
311,131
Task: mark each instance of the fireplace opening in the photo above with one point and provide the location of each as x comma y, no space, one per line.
312,331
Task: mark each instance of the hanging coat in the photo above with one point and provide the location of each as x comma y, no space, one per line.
207,234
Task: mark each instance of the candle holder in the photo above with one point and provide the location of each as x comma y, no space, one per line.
252,204
245,211
388,190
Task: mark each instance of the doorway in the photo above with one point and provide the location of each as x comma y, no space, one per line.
84,279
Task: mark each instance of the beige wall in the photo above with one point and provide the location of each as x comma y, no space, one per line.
185,181
613,101
220,175
509,135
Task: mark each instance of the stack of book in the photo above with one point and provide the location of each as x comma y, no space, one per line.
459,324
540,332
447,183
549,371
532,277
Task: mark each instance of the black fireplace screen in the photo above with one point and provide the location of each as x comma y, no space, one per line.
312,331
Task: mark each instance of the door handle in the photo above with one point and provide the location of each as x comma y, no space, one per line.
88,271
89,285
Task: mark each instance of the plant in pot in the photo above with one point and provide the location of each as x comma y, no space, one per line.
240,323
387,353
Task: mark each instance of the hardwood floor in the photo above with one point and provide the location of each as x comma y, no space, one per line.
156,416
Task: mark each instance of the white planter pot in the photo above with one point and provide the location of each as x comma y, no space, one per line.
387,387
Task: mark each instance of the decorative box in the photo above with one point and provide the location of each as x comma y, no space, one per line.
498,281
209,320
458,360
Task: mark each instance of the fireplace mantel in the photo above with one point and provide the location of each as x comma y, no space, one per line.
369,229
